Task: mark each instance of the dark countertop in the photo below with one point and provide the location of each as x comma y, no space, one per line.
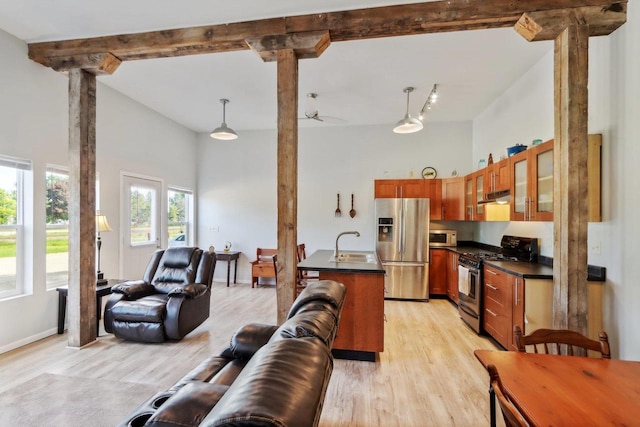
525,270
319,261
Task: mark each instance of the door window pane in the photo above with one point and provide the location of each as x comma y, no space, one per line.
57,218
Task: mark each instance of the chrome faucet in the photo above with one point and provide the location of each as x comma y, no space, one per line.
357,234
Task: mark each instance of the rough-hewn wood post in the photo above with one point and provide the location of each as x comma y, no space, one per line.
287,179
82,201
571,214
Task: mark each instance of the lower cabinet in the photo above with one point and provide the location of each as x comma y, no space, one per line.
438,271
498,305
452,276
510,300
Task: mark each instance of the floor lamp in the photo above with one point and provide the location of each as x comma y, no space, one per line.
101,225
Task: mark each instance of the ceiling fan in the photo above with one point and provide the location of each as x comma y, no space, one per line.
311,111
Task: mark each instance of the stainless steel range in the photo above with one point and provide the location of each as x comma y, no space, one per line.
512,248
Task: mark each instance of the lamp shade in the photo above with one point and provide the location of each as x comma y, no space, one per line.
224,132
408,125
102,224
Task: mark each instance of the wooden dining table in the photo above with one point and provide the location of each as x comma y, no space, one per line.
552,390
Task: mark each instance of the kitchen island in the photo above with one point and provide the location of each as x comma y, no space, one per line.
360,334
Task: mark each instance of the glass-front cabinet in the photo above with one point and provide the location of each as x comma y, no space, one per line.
532,185
474,193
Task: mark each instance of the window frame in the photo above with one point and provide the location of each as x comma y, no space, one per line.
22,166
188,223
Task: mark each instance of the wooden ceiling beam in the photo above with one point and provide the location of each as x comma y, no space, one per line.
388,21
309,44
547,25
96,64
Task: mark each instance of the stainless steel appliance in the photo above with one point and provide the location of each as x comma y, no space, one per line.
443,238
470,281
402,244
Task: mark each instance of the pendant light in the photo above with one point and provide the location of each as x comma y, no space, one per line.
408,124
224,132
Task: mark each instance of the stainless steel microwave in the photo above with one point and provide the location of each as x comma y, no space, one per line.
443,238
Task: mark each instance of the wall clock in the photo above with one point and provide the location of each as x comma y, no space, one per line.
429,173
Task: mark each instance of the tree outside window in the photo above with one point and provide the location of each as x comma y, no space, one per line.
57,218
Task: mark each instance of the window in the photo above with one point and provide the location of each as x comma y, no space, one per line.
12,176
142,202
57,218
179,217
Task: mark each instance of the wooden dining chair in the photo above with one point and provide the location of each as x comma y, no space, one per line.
512,417
304,276
553,341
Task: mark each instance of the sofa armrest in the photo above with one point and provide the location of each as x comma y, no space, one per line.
249,339
188,406
134,289
192,290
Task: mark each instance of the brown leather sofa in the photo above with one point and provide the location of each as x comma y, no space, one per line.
268,376
171,300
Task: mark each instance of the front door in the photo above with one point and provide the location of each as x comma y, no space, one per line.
141,217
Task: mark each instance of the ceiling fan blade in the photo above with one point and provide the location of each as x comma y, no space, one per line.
330,119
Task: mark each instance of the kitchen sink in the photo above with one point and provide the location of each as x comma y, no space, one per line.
355,257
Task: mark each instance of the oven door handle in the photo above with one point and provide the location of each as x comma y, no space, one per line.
468,310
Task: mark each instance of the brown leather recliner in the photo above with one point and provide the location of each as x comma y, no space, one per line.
171,300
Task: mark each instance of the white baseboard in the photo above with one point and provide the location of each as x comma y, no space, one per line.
28,340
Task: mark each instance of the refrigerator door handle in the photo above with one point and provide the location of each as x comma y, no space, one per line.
404,264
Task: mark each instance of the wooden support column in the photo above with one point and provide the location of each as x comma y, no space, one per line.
287,180
571,214
81,304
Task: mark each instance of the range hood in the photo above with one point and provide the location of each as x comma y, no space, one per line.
502,196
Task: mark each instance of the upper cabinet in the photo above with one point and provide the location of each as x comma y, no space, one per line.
474,185
412,189
532,184
453,199
497,176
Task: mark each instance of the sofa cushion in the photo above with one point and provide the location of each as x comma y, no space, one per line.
177,267
283,384
319,324
151,308
328,291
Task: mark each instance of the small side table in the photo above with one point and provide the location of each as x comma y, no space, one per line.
229,256
101,290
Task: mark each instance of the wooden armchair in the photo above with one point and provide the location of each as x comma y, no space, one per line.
263,265
512,417
555,338
304,276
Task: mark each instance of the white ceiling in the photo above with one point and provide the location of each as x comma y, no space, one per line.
359,81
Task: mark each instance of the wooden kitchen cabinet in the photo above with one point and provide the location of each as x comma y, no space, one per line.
412,189
497,177
498,305
362,322
453,199
438,271
399,188
474,193
433,191
532,184
452,276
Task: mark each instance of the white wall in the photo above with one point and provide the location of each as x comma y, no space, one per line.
238,182
33,125
614,90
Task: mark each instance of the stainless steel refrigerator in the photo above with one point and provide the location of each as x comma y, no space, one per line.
402,244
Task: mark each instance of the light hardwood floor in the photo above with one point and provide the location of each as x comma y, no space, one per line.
427,375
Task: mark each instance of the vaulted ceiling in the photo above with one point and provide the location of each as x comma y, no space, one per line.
360,82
